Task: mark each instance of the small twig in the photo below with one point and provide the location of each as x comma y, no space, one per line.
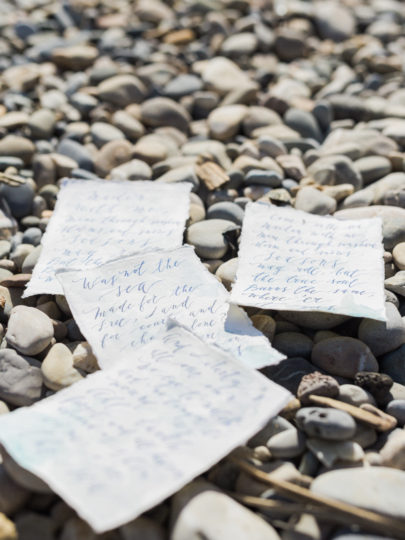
365,518
288,509
382,422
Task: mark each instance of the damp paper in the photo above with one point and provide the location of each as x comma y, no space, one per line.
124,304
95,221
120,441
292,260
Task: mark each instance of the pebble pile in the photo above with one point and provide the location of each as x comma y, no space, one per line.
298,103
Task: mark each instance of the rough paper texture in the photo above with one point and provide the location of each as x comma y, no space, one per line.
95,221
292,260
122,440
124,304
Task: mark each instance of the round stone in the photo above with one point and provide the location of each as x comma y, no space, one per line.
317,384
293,344
326,423
21,380
122,90
287,444
383,337
398,254
354,395
378,384
226,210
29,330
379,489
58,368
314,201
227,272
161,111
343,356
208,237
396,408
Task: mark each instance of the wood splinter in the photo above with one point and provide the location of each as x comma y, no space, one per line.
382,422
367,519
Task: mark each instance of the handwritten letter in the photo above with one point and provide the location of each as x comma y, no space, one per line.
126,303
291,260
119,442
99,220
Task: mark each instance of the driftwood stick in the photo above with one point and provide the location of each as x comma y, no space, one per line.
365,518
382,422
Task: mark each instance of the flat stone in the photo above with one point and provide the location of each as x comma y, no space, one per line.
129,125
132,170
58,368
226,210
373,168
208,237
21,379
274,426
14,120
326,423
303,122
378,384
77,152
19,199
396,283
76,57
314,319
12,495
225,122
239,44
343,356
222,75
42,124
16,146
103,133
398,254
293,344
354,395
396,408
264,323
393,219
8,529
182,85
143,528
227,272
122,90
216,516
393,364
161,111
314,201
23,477
383,337
112,155
83,356
29,330
317,384
379,489
330,452
263,178
287,444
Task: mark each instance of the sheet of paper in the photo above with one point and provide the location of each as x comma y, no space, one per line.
122,440
292,260
95,221
124,304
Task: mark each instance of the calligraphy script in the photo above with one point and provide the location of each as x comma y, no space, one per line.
119,442
95,221
292,260
124,304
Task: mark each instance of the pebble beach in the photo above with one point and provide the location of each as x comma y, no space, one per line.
293,103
